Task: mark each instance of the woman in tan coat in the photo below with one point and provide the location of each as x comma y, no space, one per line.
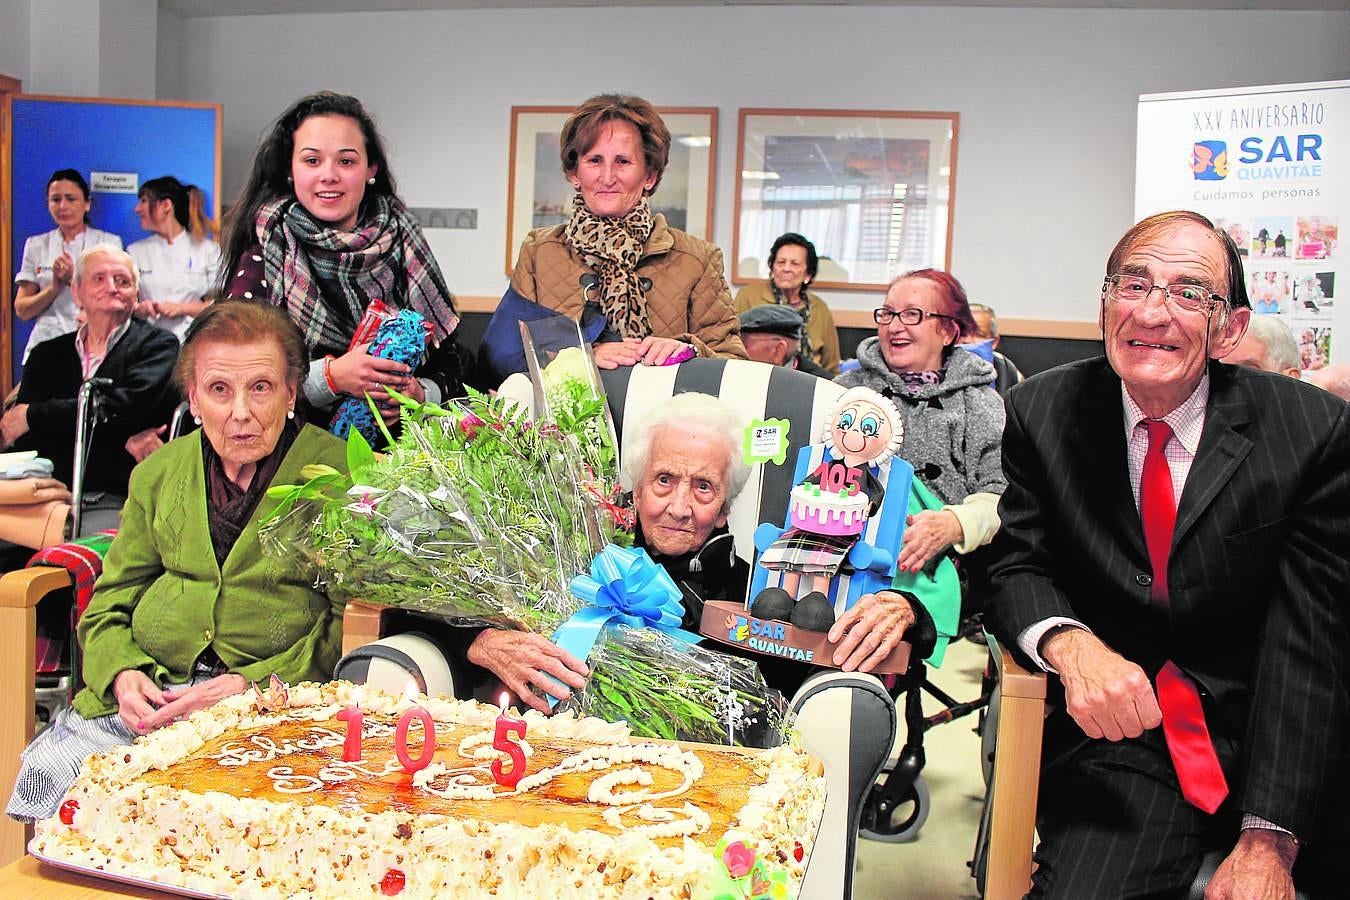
661,291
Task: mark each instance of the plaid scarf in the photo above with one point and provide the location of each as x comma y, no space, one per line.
83,557
612,248
325,277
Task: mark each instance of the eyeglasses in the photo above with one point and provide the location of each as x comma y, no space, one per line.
910,315
1186,297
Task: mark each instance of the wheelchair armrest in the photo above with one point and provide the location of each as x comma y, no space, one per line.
849,722
20,593
1016,775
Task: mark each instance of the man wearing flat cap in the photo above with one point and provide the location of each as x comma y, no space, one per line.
773,334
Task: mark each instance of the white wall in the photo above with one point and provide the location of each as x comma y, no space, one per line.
1047,101
168,49
14,36
127,36
64,49
80,48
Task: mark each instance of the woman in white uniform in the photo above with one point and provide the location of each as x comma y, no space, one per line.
43,282
179,262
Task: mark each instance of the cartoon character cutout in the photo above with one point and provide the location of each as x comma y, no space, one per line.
829,510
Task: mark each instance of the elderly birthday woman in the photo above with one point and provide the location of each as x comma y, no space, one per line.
661,291
189,610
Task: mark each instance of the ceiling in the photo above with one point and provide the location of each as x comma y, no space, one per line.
204,8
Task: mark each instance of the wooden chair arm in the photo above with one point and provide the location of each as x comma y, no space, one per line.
20,593
23,589
1016,778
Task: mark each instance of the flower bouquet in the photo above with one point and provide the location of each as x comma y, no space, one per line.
479,515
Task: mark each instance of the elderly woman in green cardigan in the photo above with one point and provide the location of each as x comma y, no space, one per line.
189,609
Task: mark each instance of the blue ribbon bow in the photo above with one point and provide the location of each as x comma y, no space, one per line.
625,587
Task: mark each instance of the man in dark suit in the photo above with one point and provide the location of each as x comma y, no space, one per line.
1176,550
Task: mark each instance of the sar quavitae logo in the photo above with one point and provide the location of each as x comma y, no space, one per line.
1209,160
1259,158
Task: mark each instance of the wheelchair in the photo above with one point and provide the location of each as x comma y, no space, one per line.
898,805
57,652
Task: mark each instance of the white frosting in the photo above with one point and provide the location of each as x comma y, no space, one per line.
217,843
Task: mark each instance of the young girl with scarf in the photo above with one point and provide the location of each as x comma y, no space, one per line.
320,231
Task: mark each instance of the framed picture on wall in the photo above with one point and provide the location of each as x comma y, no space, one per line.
538,195
872,189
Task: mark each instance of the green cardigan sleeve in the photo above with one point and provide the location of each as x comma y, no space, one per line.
131,566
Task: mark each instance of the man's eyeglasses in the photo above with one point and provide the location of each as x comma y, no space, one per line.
1187,297
910,315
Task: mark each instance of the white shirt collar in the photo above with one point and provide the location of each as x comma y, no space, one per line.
1187,420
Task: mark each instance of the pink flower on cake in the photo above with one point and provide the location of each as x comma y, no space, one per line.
739,859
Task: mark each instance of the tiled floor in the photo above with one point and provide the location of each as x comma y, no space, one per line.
933,867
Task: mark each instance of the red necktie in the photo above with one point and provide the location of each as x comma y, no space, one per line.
1188,741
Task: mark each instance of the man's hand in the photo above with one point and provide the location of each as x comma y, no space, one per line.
14,425
1257,869
137,697
143,443
1107,695
183,701
524,661
870,629
613,354
927,534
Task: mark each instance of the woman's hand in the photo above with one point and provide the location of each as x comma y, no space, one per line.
613,354
870,629
357,373
63,269
656,350
181,702
524,661
137,697
927,534
14,424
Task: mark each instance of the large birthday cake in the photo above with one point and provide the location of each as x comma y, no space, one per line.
252,798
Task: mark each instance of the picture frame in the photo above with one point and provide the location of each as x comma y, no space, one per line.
539,196
874,190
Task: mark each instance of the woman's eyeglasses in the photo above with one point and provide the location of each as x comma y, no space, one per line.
910,315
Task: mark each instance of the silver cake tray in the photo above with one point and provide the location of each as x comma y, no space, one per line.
119,878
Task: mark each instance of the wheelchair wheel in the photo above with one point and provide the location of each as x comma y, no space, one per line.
905,819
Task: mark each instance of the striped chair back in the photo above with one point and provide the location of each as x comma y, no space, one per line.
753,389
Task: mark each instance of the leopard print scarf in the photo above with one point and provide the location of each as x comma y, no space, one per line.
612,248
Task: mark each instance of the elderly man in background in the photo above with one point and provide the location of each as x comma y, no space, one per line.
136,358
1268,346
1175,550
984,341
773,335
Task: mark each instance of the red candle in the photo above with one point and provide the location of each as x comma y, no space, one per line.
405,759
506,726
352,715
